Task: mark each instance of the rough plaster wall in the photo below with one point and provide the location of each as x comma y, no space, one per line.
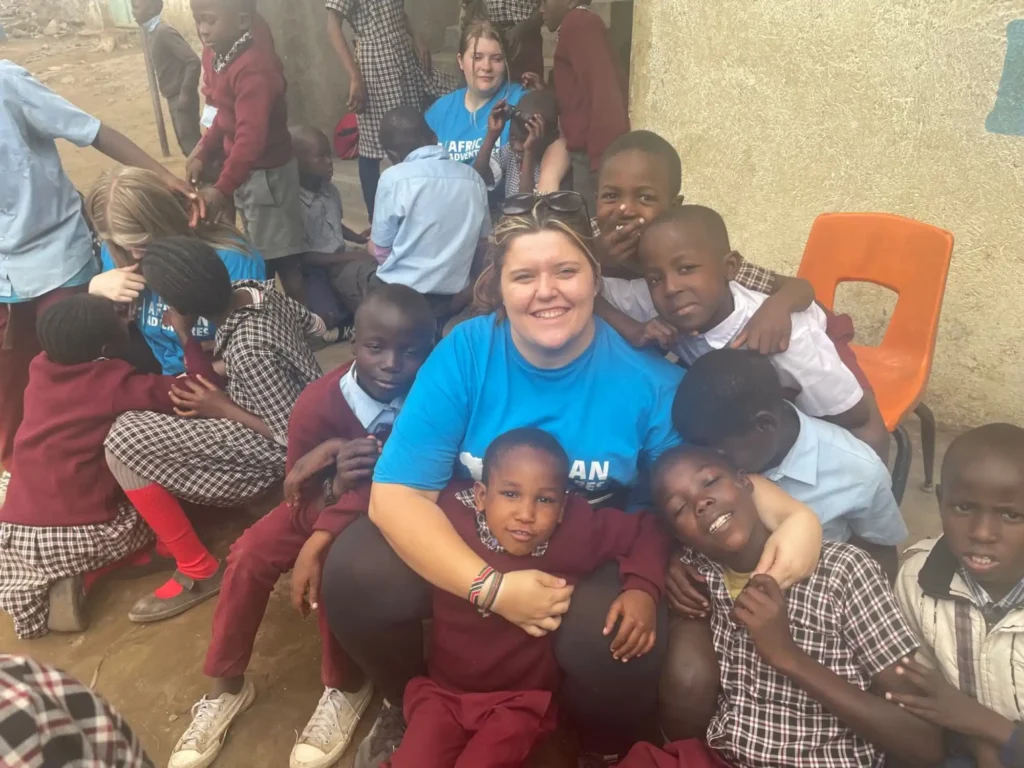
782,109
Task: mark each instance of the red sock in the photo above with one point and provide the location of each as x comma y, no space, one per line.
165,516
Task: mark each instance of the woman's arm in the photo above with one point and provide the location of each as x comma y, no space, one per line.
792,552
554,164
422,536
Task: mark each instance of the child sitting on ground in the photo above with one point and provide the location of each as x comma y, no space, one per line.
335,434
326,255
731,400
490,696
178,71
802,675
963,594
689,265
533,128
246,82
232,454
65,517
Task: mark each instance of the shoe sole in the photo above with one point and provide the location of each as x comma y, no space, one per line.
207,760
335,754
67,607
177,610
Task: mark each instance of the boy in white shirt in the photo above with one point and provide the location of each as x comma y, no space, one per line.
689,265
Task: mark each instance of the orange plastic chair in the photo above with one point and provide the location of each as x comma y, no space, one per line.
912,259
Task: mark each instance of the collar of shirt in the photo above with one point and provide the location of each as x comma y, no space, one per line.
371,413
720,336
981,598
488,539
308,196
432,152
801,462
151,25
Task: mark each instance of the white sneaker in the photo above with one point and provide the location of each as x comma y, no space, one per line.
5,480
211,718
330,729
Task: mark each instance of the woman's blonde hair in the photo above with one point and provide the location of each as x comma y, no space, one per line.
480,29
131,207
487,291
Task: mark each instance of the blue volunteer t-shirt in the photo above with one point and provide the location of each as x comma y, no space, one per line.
610,409
161,338
462,132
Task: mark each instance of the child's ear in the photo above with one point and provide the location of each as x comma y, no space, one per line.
479,491
732,264
766,421
743,481
679,200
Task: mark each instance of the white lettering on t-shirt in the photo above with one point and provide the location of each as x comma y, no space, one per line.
593,479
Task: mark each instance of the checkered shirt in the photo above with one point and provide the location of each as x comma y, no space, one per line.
511,166
48,718
845,617
321,218
993,610
511,11
391,70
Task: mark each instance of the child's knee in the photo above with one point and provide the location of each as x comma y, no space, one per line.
688,689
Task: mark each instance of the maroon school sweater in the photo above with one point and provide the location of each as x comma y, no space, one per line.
476,654
321,413
252,117
59,474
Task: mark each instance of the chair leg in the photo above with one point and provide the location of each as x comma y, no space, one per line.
927,445
901,466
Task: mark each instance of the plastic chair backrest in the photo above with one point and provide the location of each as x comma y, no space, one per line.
906,256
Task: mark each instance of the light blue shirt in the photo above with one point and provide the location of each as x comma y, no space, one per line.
44,240
610,409
843,481
372,414
431,212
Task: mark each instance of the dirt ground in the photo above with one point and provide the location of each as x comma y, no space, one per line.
153,673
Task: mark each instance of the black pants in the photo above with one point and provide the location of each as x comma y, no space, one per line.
375,606
369,178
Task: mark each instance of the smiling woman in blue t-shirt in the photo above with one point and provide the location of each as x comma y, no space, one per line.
130,208
460,118
540,359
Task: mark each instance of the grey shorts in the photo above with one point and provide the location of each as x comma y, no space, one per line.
270,207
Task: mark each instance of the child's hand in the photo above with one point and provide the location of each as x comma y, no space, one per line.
498,118
356,95
216,202
687,590
307,572
355,463
636,613
193,170
535,133
532,81
768,330
655,331
619,241
200,399
314,462
179,323
761,608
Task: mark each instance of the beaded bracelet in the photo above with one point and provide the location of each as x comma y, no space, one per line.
484,589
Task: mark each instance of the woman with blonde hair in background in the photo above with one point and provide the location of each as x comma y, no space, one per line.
132,207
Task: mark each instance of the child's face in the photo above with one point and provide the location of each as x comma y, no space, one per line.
389,349
753,451
982,506
689,281
554,12
634,185
144,10
315,158
524,499
220,23
708,507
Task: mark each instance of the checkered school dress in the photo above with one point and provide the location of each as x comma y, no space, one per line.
34,557
219,462
47,718
391,70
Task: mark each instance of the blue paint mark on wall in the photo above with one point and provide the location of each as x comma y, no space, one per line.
1007,116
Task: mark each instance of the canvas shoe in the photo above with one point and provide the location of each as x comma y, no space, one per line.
211,718
330,729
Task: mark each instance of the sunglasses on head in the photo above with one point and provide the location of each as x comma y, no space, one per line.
564,201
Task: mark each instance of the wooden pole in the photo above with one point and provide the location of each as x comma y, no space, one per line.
154,93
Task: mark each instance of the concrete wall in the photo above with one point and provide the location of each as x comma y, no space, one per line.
782,109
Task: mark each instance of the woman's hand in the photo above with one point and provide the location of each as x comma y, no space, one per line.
307,572
498,118
533,600
356,95
307,467
638,614
792,552
769,329
686,590
122,285
201,399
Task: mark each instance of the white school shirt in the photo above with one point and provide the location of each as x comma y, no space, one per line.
810,364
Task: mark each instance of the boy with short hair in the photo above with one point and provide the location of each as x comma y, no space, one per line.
178,71
590,86
247,85
963,595
689,266
490,694
731,400
335,434
802,673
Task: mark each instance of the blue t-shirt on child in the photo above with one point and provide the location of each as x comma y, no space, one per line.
161,338
610,409
462,132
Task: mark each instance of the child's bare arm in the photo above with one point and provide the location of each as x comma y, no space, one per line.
769,329
357,86
495,125
355,237
120,148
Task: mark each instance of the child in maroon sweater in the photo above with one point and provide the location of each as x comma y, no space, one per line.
245,79
65,515
334,438
490,694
